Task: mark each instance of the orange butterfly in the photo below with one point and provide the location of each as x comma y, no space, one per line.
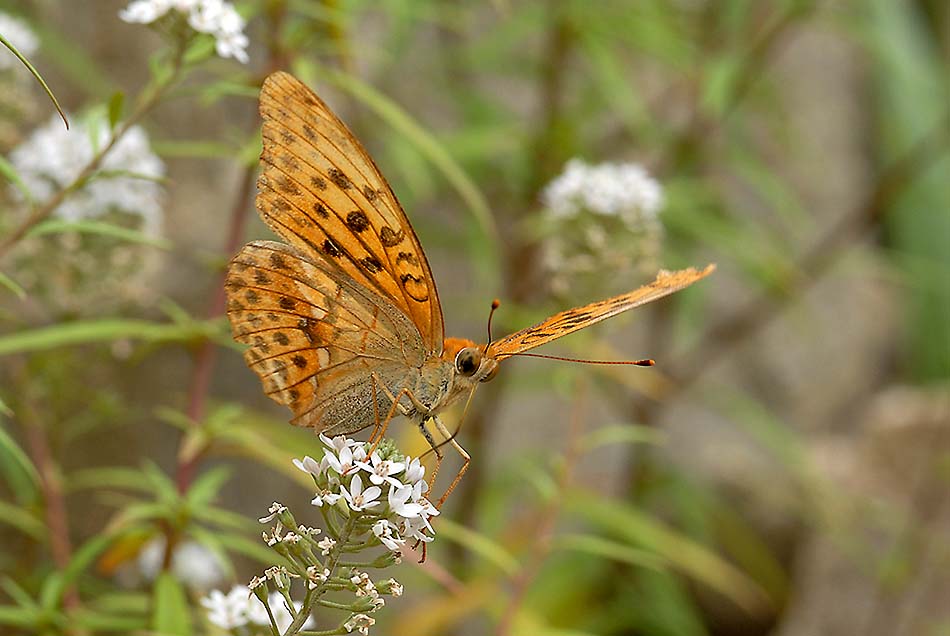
344,322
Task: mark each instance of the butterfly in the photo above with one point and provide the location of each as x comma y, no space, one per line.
343,320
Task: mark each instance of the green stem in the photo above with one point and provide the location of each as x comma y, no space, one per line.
333,561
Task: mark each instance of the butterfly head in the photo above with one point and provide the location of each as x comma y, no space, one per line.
469,360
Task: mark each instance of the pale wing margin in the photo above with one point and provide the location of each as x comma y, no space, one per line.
572,320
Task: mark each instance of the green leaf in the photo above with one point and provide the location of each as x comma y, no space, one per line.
205,488
9,172
116,107
12,285
622,434
682,553
52,595
106,330
108,477
194,149
12,455
60,226
18,616
22,520
99,622
479,544
170,614
37,76
605,548
210,540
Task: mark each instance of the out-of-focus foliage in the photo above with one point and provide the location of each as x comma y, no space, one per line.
782,470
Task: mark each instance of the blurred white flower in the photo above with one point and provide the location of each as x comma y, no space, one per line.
52,157
596,219
621,189
192,563
230,610
359,499
215,17
18,33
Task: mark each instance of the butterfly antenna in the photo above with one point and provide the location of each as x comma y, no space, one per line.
646,362
495,304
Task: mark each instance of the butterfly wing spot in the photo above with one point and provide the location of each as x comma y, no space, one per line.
369,193
357,221
309,132
287,304
339,179
281,339
390,238
372,264
320,210
406,257
318,182
299,361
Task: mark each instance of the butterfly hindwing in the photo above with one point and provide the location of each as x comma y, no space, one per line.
314,337
572,320
321,191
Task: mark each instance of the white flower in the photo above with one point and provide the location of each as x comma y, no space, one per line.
215,17
315,577
399,502
275,509
52,157
359,622
338,443
18,33
387,534
325,497
325,544
192,563
620,189
381,470
416,527
345,463
415,471
230,610
395,587
309,465
359,499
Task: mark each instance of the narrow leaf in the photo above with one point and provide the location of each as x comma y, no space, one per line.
170,606
60,226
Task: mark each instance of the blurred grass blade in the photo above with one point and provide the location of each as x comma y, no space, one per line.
11,454
17,517
424,143
479,544
10,174
682,553
622,434
13,286
116,108
39,78
60,226
598,546
107,330
170,613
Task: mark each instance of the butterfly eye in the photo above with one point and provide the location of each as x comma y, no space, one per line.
468,360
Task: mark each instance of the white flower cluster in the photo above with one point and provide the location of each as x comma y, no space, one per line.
396,494
612,189
53,157
215,17
240,607
18,33
192,563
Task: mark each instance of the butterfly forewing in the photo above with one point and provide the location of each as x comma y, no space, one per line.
321,191
315,337
572,320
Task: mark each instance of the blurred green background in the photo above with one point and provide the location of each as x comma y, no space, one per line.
782,470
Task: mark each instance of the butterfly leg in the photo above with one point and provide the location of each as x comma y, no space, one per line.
381,425
466,459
